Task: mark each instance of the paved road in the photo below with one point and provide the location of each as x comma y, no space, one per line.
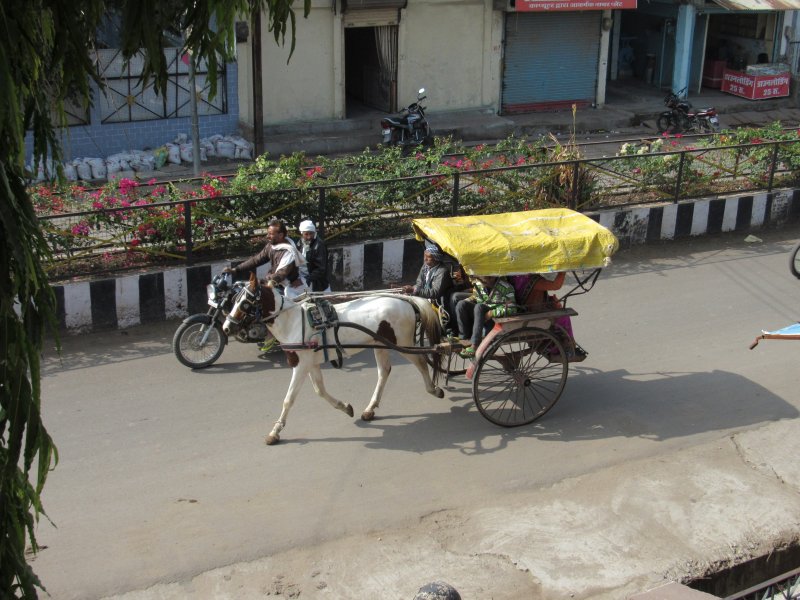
164,474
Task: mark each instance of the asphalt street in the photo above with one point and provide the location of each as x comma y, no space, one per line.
654,466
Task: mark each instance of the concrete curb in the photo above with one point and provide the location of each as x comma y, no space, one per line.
130,300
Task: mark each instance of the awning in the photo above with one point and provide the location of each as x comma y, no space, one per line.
759,4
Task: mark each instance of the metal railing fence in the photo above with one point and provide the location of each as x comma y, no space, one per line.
151,231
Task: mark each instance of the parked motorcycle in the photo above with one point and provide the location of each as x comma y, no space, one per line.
199,340
682,118
410,128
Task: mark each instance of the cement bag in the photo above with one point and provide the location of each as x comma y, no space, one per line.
121,158
208,146
174,154
160,155
84,170
98,166
143,161
70,172
244,149
113,167
186,153
181,138
226,149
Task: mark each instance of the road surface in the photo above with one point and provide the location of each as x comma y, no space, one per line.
164,474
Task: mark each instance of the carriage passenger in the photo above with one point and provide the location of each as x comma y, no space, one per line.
491,297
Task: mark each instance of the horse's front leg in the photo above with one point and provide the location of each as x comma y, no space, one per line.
298,373
384,362
315,374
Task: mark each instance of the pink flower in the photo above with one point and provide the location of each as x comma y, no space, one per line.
134,242
152,181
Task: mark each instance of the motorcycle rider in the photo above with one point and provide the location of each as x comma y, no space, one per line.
284,268
283,258
314,251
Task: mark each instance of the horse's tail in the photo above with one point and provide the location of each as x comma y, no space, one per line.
433,332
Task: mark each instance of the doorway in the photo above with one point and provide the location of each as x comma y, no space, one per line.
370,69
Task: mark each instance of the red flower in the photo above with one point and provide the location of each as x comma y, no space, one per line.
134,242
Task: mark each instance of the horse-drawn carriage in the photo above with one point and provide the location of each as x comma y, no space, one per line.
519,370
520,367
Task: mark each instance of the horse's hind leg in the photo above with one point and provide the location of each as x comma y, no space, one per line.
384,362
315,374
418,360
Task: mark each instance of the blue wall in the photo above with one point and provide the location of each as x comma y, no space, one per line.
99,141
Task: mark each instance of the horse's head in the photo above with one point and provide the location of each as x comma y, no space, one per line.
243,305
247,301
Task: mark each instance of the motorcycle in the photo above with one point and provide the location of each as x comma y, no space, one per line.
681,118
410,128
199,340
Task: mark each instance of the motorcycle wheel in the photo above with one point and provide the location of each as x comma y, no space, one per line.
664,123
187,348
794,260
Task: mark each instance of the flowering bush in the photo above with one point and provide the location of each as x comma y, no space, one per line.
376,193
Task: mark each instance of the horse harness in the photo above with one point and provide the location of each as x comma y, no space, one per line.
320,315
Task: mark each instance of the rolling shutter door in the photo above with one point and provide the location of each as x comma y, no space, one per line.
371,17
550,60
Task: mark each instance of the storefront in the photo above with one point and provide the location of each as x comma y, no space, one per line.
552,53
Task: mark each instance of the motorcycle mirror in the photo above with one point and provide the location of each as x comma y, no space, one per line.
421,91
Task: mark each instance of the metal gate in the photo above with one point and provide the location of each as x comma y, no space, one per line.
550,60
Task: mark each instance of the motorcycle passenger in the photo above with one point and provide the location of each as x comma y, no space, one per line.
313,249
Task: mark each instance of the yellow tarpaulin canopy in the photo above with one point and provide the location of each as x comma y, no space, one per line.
532,241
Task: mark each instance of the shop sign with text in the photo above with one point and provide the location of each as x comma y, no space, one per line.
552,5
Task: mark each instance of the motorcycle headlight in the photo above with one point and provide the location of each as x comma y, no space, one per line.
211,291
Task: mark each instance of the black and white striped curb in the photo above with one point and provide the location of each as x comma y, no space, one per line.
174,293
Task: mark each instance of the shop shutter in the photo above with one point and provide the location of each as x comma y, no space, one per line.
373,17
550,60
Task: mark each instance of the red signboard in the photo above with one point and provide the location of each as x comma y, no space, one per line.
755,87
553,5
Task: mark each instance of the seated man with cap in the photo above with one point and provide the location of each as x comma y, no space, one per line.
316,254
434,281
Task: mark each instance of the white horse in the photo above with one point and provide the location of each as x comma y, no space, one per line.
391,316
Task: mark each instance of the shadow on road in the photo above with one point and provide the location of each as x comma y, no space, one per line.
595,405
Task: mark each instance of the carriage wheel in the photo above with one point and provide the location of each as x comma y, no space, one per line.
520,377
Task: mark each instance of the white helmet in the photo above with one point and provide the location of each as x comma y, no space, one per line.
307,226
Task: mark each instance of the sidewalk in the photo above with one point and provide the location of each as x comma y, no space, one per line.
608,535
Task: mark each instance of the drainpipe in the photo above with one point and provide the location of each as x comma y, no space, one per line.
684,32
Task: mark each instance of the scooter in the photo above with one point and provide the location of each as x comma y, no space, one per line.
682,118
410,128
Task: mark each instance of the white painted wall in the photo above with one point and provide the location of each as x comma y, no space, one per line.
453,48
443,47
